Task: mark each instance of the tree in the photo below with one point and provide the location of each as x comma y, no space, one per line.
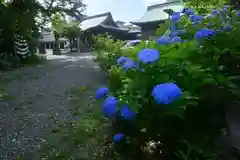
205,6
21,21
72,8
17,18
72,31
55,12
58,25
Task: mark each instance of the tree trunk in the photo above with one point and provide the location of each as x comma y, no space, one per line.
56,48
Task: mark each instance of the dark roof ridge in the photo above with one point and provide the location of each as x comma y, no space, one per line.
161,4
98,15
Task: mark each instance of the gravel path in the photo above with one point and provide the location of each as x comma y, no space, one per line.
40,101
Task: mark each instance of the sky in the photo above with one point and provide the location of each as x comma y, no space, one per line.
123,10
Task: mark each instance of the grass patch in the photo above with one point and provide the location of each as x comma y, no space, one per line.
4,95
84,139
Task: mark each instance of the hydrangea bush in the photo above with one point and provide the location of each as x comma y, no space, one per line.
107,50
167,99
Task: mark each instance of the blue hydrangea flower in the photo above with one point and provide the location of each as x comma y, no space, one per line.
118,137
129,65
176,39
199,35
188,11
173,34
196,18
184,10
192,18
126,113
101,92
226,7
227,28
205,33
238,13
176,17
172,28
166,93
148,55
110,106
215,13
122,60
164,40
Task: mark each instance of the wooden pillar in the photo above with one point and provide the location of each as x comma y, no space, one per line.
41,48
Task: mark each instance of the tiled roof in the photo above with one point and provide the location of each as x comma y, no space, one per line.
157,13
120,23
99,20
92,22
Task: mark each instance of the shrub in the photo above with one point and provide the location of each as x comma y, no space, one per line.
168,99
8,61
107,50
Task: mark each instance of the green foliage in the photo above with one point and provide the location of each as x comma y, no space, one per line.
33,59
107,50
72,30
205,6
17,19
10,61
71,8
204,69
25,18
21,22
58,23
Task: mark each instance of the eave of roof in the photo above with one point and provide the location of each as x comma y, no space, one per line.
115,28
134,31
156,13
99,21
